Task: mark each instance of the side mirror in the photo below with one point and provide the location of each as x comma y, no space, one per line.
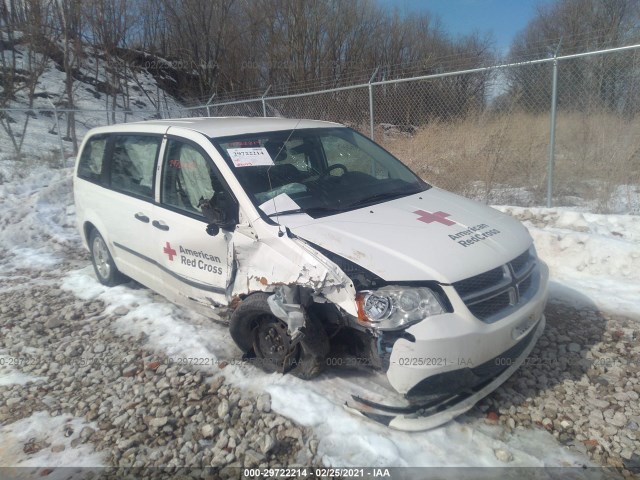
221,213
212,229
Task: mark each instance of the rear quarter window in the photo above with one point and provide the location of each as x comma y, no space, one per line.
132,166
92,159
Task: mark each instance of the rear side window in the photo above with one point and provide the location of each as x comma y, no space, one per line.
133,160
91,160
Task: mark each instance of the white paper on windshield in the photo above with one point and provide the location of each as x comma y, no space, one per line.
279,203
250,157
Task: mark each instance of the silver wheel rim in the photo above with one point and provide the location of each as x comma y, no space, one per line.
101,257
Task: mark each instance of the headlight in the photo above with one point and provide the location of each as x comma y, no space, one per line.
390,308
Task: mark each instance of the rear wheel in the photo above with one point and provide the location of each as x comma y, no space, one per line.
256,330
103,263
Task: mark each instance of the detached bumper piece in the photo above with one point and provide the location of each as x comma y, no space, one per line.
447,403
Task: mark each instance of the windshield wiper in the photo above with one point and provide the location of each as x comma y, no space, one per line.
306,210
381,196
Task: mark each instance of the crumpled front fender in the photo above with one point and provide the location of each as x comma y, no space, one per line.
264,264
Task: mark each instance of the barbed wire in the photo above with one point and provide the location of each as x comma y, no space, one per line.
447,63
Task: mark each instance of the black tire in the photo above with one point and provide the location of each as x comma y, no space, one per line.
103,264
253,319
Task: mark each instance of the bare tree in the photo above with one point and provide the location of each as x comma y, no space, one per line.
231,46
32,19
110,22
69,23
573,26
198,33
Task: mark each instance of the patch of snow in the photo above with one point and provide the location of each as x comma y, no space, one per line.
43,430
177,332
622,199
11,376
593,259
349,441
41,138
625,199
345,439
37,219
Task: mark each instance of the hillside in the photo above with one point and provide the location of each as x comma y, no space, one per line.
30,117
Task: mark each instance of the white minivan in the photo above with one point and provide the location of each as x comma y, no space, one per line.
331,253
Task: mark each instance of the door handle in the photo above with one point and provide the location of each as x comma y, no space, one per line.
160,225
142,217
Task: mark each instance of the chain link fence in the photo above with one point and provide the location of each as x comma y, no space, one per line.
559,131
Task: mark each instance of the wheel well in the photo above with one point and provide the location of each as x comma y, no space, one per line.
88,228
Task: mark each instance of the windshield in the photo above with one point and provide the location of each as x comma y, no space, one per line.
318,171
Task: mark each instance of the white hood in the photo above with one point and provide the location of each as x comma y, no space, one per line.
433,235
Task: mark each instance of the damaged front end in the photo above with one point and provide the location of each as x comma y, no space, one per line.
407,358
277,333
298,307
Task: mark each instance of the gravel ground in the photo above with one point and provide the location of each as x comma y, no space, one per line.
146,412
581,383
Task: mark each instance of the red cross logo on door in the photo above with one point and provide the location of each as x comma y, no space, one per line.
439,217
169,251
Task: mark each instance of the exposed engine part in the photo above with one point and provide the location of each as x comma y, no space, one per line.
285,304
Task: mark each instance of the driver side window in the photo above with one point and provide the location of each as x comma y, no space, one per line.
188,179
340,152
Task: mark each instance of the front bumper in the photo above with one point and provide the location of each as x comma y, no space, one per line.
442,412
455,352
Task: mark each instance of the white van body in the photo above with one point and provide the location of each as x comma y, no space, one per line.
469,270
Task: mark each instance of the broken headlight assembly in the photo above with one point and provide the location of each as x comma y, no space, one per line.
395,307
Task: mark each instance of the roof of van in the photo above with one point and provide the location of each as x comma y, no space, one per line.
225,126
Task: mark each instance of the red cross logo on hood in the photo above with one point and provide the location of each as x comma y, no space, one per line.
439,217
169,251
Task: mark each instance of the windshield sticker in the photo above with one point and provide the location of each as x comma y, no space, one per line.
474,234
250,157
279,203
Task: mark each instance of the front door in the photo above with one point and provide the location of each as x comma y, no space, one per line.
195,265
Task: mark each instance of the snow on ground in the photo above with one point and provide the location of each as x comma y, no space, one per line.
10,375
620,199
176,331
41,136
37,219
597,256
344,439
38,434
586,252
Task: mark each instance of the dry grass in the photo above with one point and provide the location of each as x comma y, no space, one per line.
503,158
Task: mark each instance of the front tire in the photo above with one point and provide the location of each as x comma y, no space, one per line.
103,264
256,330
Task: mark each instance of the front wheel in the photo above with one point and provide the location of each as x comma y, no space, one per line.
255,329
103,263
